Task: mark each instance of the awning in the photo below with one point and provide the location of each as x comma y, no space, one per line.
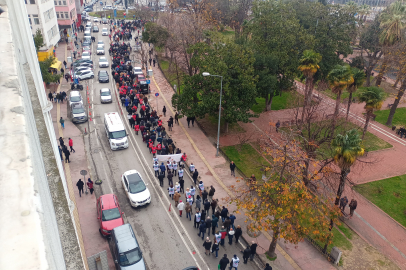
57,65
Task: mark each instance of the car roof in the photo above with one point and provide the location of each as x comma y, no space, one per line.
77,105
103,71
102,58
133,176
104,29
125,238
105,89
109,201
74,93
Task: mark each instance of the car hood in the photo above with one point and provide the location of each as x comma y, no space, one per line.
139,197
111,224
79,114
106,97
138,266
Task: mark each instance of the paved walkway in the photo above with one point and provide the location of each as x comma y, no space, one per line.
86,205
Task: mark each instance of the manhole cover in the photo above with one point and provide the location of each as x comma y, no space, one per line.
97,150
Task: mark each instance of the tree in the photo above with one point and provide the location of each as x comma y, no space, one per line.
47,76
155,34
396,103
339,78
373,97
38,40
393,25
265,67
359,79
309,66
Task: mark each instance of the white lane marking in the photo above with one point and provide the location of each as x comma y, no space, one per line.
166,198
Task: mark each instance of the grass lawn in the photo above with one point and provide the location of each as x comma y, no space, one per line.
280,102
399,119
171,75
338,241
389,195
345,94
248,160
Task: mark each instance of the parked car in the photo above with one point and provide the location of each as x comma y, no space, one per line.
105,95
103,62
109,214
88,9
75,97
95,19
100,43
135,188
81,68
105,32
78,113
95,29
84,75
107,7
104,20
103,76
86,55
87,65
86,48
100,50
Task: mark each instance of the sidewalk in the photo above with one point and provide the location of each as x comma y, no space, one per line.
215,171
86,205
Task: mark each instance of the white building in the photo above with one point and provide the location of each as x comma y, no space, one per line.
42,15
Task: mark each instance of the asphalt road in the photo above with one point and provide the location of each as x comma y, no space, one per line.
167,241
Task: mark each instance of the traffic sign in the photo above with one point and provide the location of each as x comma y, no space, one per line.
157,94
148,81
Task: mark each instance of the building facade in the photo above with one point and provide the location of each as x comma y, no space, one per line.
79,9
66,16
42,15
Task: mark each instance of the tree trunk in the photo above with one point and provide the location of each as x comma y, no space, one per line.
381,72
336,111
368,77
272,246
396,103
340,189
226,127
305,173
349,105
268,102
309,90
368,117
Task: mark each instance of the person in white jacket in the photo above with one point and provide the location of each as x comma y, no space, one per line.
234,262
181,206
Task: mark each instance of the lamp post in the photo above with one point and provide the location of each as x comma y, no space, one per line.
205,74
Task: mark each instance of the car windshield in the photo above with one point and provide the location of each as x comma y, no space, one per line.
86,54
131,257
103,74
104,30
77,109
118,134
110,214
100,47
136,183
105,93
103,60
75,99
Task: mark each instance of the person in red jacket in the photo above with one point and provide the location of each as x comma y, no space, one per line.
159,148
184,157
90,185
150,145
134,109
160,123
143,107
136,128
153,150
71,145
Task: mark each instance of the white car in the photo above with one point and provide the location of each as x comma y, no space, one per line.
137,71
107,7
105,32
100,49
103,62
135,188
100,43
95,19
105,95
86,55
80,69
75,97
84,75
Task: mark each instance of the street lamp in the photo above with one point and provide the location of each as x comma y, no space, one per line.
205,74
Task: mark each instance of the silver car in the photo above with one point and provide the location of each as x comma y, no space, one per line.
100,49
105,95
78,113
103,62
84,75
105,32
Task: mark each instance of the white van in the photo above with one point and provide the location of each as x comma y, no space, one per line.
115,131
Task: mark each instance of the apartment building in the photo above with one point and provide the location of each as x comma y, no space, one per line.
41,15
66,15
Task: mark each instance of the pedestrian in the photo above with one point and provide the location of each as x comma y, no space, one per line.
181,206
192,192
223,233
174,168
176,197
156,169
62,122
181,183
227,223
161,179
163,169
224,262
224,213
150,62
353,206
153,61
60,152
206,205
234,262
268,267
71,145
201,187
51,98
205,194
214,222
188,210
192,168
177,187
188,121
66,77
195,175
253,250
202,229
61,142
170,178
238,233
164,110
246,254
208,224
343,203
232,168
213,205
67,154
207,245
171,191
231,233
64,63
198,202
215,247
90,185
80,185
197,219
62,71
177,118
211,193
232,219
278,125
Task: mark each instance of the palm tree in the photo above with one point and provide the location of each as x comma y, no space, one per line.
359,79
364,11
373,97
393,24
339,78
309,66
347,148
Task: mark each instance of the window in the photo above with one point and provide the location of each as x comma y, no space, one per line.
72,13
25,1
49,14
44,1
36,20
66,15
32,2
29,19
57,15
52,32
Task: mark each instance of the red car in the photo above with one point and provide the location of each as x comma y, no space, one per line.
109,214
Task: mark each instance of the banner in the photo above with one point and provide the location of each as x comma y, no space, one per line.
165,158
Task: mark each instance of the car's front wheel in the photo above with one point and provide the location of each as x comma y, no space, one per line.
91,77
